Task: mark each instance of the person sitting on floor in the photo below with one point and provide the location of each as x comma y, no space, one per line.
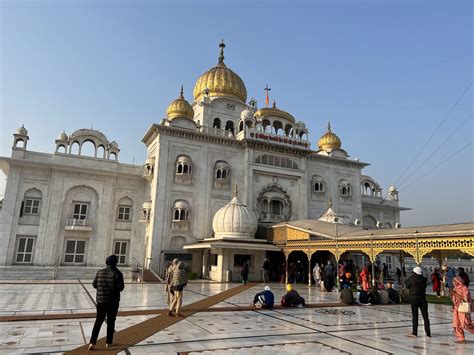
346,281
346,296
264,299
363,297
292,298
374,296
393,296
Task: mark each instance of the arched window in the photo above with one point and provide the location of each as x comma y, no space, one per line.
88,149
277,208
216,123
31,204
345,188
180,210
221,174
317,183
75,148
124,209
229,126
183,165
61,149
101,152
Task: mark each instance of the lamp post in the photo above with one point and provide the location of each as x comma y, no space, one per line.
336,221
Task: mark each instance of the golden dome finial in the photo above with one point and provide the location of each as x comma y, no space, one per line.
221,55
220,81
180,108
236,190
329,140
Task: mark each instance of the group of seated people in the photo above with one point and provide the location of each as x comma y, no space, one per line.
384,295
266,298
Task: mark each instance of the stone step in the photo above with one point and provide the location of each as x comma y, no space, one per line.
47,273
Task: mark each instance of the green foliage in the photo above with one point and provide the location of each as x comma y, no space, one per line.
442,300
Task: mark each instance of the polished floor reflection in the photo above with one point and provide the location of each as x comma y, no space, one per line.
335,330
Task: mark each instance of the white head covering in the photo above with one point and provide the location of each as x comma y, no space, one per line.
267,288
417,270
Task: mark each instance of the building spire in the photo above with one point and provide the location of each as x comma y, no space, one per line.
330,202
221,55
181,93
329,126
236,190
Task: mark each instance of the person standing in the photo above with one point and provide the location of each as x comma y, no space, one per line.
399,275
417,285
449,274
267,266
109,284
168,279
461,320
317,274
178,281
364,279
436,279
329,277
244,273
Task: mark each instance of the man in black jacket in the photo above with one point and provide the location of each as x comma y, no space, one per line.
109,284
417,286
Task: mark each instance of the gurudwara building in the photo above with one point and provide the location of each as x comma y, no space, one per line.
219,174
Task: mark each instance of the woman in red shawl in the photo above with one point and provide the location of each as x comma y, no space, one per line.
364,278
461,321
436,279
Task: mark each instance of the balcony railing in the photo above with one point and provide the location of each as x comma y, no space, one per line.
78,224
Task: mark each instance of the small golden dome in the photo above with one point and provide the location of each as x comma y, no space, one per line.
220,81
273,111
180,108
329,140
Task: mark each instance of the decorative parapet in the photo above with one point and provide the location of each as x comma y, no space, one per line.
295,240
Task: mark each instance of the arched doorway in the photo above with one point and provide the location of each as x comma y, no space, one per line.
297,267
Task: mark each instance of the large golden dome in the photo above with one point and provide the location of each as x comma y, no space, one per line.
329,141
180,108
273,111
220,81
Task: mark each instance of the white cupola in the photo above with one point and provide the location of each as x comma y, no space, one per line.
234,220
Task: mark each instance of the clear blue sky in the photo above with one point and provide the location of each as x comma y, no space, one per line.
386,73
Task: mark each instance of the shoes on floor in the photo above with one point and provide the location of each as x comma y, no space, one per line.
460,341
411,335
91,347
169,313
107,345
178,315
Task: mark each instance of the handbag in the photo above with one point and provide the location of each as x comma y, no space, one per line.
464,307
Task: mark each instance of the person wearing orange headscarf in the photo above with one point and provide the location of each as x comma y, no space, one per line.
364,278
461,321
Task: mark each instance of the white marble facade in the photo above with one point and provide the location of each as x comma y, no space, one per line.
195,156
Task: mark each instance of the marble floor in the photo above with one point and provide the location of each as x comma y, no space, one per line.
330,330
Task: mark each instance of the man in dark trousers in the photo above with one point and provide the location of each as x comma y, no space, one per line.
109,284
267,266
417,286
